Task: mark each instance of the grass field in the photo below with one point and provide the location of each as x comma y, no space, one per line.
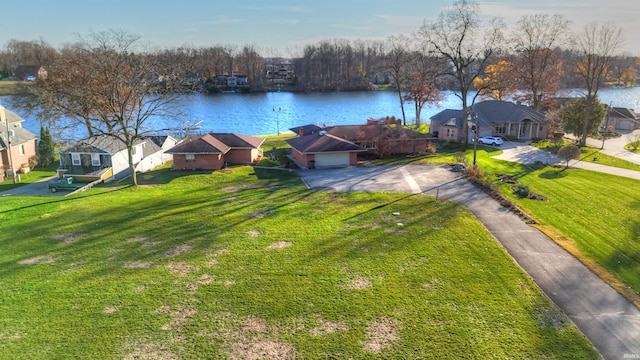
247,264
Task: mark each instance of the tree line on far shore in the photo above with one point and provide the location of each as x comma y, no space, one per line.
111,84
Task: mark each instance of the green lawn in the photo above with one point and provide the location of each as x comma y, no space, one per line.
248,264
598,212
35,175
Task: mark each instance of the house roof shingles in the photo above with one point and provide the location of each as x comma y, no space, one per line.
20,134
205,144
100,144
489,112
318,143
624,113
216,143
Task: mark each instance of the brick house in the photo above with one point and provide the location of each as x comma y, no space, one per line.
23,145
214,151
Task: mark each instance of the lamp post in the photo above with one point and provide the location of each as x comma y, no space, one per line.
277,111
3,118
473,126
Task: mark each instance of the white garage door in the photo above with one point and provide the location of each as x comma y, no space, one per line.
332,160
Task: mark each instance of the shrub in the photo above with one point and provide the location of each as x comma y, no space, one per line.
522,191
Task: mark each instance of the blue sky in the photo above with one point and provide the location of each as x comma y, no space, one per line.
285,25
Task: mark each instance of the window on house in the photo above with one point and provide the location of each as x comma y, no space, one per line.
501,128
450,133
75,158
190,157
95,159
21,149
133,152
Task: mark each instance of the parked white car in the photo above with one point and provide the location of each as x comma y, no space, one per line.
490,140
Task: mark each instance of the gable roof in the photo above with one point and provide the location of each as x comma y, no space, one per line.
13,118
20,136
204,144
306,129
448,117
216,143
492,111
317,143
101,144
624,113
238,141
488,112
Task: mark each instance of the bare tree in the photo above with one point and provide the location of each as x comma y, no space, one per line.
537,64
397,60
422,88
460,38
597,44
104,85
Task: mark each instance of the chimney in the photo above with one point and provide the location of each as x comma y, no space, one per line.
301,131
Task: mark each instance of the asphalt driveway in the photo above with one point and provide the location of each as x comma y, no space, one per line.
607,319
409,179
39,188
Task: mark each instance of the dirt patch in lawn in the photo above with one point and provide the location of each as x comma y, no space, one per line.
380,335
264,349
212,257
179,316
253,233
150,352
38,260
250,342
178,250
254,324
109,310
327,327
359,283
280,245
68,238
180,268
150,243
136,239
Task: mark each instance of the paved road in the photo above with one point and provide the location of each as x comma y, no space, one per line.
610,321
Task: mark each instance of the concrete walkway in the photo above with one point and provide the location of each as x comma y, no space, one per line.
606,318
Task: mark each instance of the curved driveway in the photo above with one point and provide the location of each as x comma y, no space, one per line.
609,320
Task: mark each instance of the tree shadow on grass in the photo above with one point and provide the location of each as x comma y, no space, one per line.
552,174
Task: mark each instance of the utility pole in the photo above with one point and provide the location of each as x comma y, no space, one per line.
277,111
3,117
606,126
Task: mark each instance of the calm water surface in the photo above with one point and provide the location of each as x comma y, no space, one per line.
253,114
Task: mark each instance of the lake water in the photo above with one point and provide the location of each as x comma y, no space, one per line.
253,114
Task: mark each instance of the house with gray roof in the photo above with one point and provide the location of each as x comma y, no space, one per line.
18,146
622,119
491,118
323,150
105,157
341,145
214,151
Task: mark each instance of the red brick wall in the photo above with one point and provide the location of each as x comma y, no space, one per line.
238,156
201,162
302,158
17,158
353,158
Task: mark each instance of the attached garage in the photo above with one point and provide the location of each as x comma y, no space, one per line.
326,160
322,150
